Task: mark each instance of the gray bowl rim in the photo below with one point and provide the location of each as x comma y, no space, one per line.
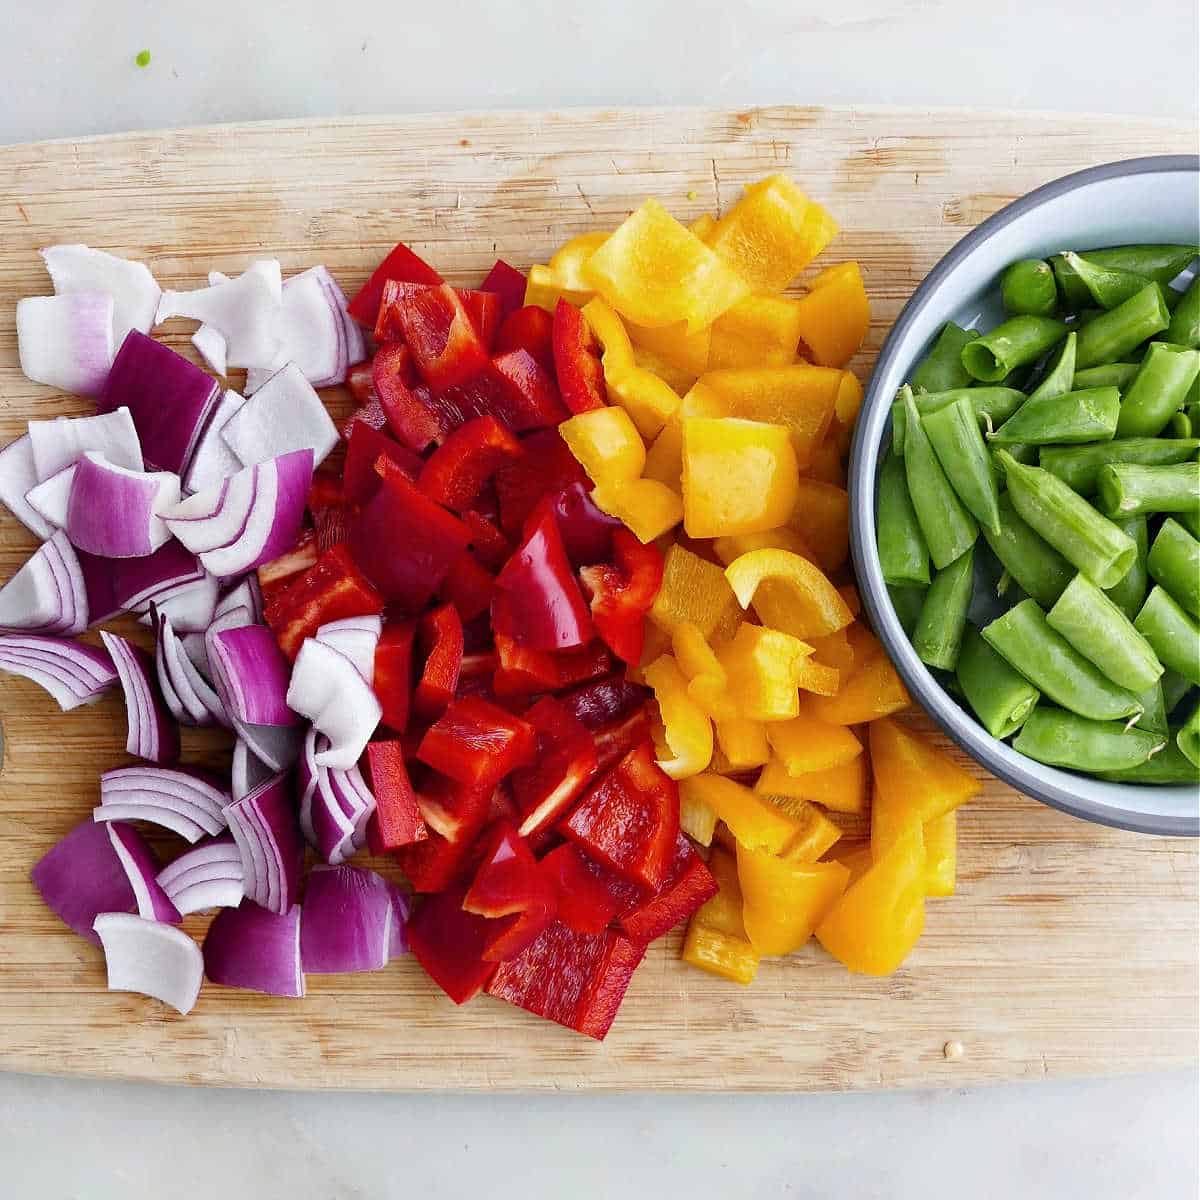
956,723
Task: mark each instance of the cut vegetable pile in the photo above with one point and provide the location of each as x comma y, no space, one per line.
559,623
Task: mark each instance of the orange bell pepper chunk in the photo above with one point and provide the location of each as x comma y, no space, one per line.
941,854
723,912
753,821
607,444
760,331
873,690
817,833
716,938
648,508
863,644
686,726
567,261
654,272
812,676
800,601
805,744
783,901
729,548
822,518
688,352
834,650
743,743
707,683
840,789
855,857
762,666
693,590
879,918
835,315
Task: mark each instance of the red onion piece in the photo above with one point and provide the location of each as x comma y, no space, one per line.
356,638
51,499
151,734
217,516
177,800
356,344
212,460
335,806
66,341
151,958
133,290
245,594
263,824
62,441
284,415
74,674
116,513
210,876
401,909
141,868
17,476
248,770
212,852
140,580
190,607
348,915
47,594
199,704
276,745
210,345
254,675
311,332
248,947
327,689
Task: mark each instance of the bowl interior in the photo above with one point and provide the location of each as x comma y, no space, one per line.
1144,200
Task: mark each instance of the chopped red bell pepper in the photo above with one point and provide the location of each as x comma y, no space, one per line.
488,544
477,742
575,979
508,283
515,388
276,576
440,640
332,588
587,532
590,897
434,864
530,328
538,602
688,885
502,807
630,819
393,673
622,593
360,480
454,474
401,263
548,466
361,384
468,587
325,489
605,702
512,892
407,403
564,765
525,672
449,944
482,307
577,360
330,525
403,541
370,413
397,819
446,347
614,741
454,810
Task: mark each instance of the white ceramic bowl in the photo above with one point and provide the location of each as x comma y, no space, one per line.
1142,200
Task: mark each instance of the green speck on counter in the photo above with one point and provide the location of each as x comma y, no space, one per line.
142,58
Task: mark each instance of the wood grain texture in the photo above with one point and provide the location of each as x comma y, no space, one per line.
1070,948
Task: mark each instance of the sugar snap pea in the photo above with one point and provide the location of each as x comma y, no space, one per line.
1188,736
1078,466
993,406
1065,739
1038,569
1129,592
1184,329
1127,489
1059,377
1107,286
1000,696
907,600
903,554
1169,766
1174,562
1072,419
1174,688
1172,632
1161,263
1012,344
1113,334
1163,380
954,434
1027,287
1179,426
939,632
1154,710
1119,375
942,367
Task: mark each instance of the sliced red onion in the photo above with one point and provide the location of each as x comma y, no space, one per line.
151,734
311,332
356,638
327,689
401,909
193,647
348,914
263,824
356,343
47,594
215,852
253,674
335,805
140,580
74,674
176,800
18,476
134,292
151,958
190,607
198,703
210,345
231,618
212,460
51,499
248,770
217,516
66,341
245,594
246,310
170,697
285,414
141,868
248,947
63,441
81,876
210,876
115,513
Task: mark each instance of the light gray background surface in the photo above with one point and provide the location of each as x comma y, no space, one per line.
66,69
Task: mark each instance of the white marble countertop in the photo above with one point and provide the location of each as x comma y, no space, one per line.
67,70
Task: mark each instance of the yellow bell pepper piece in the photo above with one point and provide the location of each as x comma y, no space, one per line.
743,743
567,261
941,854
723,912
678,381
771,234
839,789
833,650
697,820
729,548
703,225
871,691
849,401
610,332
607,444
826,463
693,590
544,289
707,682
863,644
655,644
804,744
783,901
801,600
718,953
817,833
647,507
674,344
752,820
822,518
760,331
762,667
688,730
878,919
849,593
655,272
812,676
738,476
664,460
642,394
855,857
835,315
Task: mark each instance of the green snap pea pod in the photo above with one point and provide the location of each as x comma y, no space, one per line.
1023,637
1184,329
954,434
1161,263
1158,390
1190,521
942,367
907,601
1119,375
903,554
1012,344
939,632
1078,466
1168,766
1188,736
1154,710
1087,540
1127,489
1107,286
1174,635
1179,426
1065,739
1104,635
1174,688
1001,697
1113,334
1039,570
1073,419
1174,562
1129,592
993,406
1060,375
1027,287
949,528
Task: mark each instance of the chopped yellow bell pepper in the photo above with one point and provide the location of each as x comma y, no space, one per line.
864,645
783,901
688,730
647,507
610,332
738,476
719,953
678,381
855,857
878,919
729,548
655,643
834,650
703,225
751,819
817,833
567,261
707,682
762,666
871,691
688,352
655,272
664,460
723,912
606,442
805,744
822,518
826,463
697,820
812,676
642,394
801,600
693,590
743,743
760,331
941,854
835,315
544,289
846,408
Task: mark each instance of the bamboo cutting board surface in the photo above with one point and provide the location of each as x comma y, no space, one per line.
1070,948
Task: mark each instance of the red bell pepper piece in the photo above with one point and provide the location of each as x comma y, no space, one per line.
529,328
440,640
403,541
508,283
525,672
590,897
276,576
407,404
361,384
538,602
453,810
332,588
468,587
446,347
615,741
449,944
330,525
482,307
564,765
577,360
370,413
488,544
548,466
605,702
454,474
575,979
393,673
325,489
515,388
477,742
630,819
622,593
688,885
587,532
401,263
397,820
512,892
360,480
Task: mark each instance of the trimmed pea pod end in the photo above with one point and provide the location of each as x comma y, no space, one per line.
1017,342
1027,287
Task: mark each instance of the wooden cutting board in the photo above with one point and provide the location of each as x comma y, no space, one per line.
1070,948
